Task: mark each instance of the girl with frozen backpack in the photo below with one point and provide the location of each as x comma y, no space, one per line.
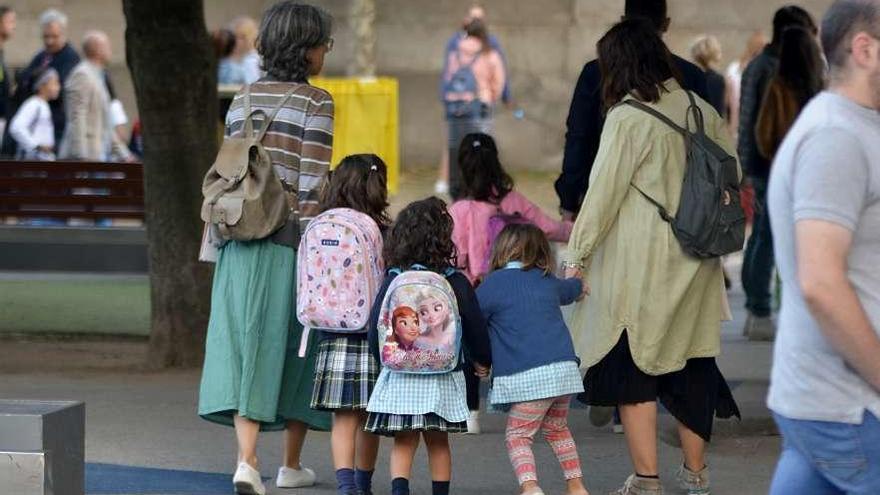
535,371
340,270
421,393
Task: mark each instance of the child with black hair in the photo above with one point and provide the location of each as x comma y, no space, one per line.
430,406
489,191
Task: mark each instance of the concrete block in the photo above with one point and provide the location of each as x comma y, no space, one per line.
24,473
47,433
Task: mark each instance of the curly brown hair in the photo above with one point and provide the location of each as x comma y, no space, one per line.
360,182
422,235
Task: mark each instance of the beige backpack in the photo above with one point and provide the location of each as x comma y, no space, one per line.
243,196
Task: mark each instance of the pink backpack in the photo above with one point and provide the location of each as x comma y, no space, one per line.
339,270
497,222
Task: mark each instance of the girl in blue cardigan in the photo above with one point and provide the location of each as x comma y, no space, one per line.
535,370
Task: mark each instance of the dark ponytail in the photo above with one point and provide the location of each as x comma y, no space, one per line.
359,182
483,177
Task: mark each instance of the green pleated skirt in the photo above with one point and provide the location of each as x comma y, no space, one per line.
252,360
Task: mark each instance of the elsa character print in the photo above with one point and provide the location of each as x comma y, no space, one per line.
437,324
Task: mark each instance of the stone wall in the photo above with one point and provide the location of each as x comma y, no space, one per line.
546,42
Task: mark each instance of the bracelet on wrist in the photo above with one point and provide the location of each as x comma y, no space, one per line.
573,264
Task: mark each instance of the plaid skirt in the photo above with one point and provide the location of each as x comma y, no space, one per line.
345,373
388,424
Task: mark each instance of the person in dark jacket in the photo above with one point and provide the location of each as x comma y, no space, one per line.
585,117
58,54
800,77
7,30
757,269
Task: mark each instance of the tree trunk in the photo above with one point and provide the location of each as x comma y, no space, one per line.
174,70
363,19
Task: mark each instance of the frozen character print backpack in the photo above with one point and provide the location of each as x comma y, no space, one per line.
419,324
339,270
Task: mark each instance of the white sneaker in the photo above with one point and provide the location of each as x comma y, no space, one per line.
473,423
247,480
295,478
441,187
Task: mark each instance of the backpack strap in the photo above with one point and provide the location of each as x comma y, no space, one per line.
267,119
271,117
664,213
248,130
666,120
467,65
694,110
448,272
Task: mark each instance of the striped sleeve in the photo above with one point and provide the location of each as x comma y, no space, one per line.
317,148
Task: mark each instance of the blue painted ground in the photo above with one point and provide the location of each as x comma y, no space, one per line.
112,479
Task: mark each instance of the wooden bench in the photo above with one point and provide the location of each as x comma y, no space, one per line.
71,190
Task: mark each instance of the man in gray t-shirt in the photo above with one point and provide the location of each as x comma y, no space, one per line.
824,202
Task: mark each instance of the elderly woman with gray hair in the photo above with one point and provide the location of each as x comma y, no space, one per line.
259,366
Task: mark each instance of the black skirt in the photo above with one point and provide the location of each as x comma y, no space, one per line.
695,395
386,424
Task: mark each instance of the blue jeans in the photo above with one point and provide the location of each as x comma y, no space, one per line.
825,458
757,269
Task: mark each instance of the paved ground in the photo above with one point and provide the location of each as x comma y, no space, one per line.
143,436
139,420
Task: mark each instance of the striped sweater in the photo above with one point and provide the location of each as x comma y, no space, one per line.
299,140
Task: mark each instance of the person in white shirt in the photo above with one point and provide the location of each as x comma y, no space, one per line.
89,133
32,126
242,66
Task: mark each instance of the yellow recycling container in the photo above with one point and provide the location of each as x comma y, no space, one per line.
366,120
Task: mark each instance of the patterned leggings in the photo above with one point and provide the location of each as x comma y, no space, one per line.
551,417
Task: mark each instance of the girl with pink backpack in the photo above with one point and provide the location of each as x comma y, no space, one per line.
489,203
339,272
